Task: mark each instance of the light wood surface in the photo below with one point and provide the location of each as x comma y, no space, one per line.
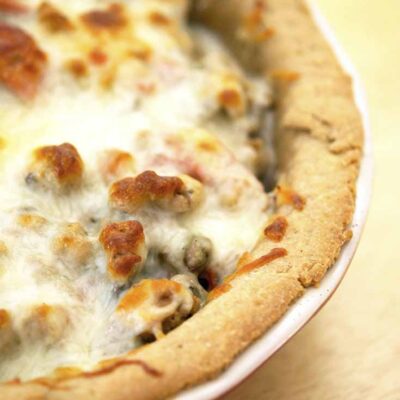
351,349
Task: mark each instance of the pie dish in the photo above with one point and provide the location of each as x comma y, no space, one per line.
184,204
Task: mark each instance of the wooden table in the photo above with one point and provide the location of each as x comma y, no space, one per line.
351,350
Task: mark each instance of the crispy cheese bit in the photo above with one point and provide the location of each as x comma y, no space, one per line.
77,68
125,246
163,304
12,7
115,164
8,335
45,324
31,221
273,255
232,98
22,62
52,19
159,19
177,194
284,76
3,249
66,372
198,253
140,50
284,195
277,229
98,57
56,167
246,266
73,245
111,19
253,26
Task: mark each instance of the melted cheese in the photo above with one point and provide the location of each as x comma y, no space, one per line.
164,112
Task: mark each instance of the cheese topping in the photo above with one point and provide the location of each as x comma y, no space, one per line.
128,164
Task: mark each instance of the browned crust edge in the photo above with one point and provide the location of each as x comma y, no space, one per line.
320,145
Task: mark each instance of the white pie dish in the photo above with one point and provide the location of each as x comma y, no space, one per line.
314,298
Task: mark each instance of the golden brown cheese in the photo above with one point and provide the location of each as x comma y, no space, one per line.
277,229
115,164
8,336
158,18
124,244
178,194
231,96
253,25
77,68
286,195
56,167
111,19
31,221
13,7
163,303
22,62
53,19
73,245
245,267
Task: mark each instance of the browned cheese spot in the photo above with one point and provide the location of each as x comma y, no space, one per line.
122,363
31,221
114,164
273,255
253,25
52,19
261,261
277,229
230,98
140,50
56,166
124,244
130,194
12,7
111,19
8,337
286,195
4,318
98,57
158,18
22,62
157,290
284,76
73,245
77,68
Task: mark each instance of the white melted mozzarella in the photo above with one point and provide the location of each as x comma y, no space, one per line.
93,120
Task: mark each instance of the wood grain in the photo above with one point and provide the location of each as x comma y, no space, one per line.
351,350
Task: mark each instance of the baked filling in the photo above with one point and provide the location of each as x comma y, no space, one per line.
130,148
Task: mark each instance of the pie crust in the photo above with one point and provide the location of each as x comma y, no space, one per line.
319,140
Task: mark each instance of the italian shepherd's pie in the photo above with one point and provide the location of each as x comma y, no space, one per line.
174,173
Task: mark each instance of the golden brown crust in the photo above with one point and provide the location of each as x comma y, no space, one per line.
319,147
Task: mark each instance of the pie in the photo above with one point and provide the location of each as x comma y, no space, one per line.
174,175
